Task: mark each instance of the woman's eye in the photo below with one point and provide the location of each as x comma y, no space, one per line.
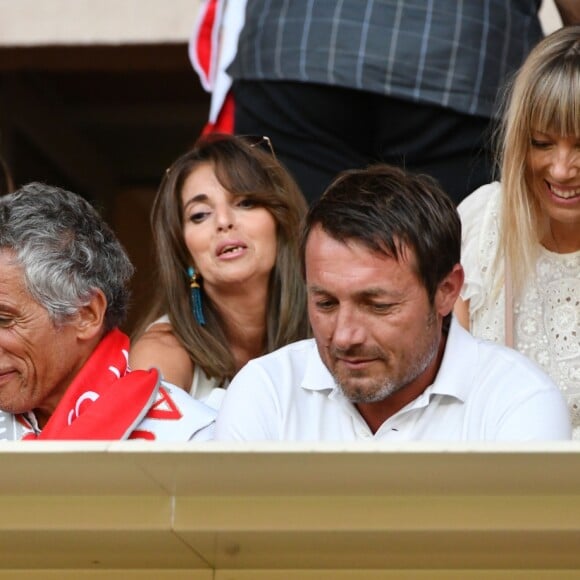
198,216
246,203
540,144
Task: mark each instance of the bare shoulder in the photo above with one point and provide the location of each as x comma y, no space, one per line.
158,347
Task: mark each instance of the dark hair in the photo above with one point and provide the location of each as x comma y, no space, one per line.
247,170
67,251
386,208
6,184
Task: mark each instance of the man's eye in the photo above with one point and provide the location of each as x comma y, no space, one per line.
324,304
6,322
381,308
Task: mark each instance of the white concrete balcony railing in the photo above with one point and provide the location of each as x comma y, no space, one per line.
289,511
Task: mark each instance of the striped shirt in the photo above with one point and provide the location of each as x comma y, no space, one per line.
453,53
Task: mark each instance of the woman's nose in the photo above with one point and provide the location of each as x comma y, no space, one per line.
565,163
225,219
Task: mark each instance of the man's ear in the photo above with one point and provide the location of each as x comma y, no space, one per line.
91,317
448,290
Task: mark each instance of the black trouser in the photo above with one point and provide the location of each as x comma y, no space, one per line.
319,130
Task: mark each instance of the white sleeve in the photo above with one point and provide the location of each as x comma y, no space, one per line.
472,211
542,417
205,433
250,410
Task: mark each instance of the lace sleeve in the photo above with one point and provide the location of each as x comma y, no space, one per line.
479,236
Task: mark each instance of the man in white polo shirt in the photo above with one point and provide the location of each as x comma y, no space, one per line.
381,258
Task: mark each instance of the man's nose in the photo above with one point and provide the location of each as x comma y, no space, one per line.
349,329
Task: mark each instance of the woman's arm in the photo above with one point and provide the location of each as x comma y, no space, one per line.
158,347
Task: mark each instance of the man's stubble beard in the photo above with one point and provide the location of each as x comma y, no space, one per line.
379,391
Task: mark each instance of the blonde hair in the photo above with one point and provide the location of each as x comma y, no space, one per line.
545,97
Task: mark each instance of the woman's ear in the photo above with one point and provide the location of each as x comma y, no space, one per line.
448,290
91,317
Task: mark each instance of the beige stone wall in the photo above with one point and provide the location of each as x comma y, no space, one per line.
62,22
549,16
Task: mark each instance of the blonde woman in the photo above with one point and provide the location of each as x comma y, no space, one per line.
521,236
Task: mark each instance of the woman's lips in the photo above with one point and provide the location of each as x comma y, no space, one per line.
564,192
231,249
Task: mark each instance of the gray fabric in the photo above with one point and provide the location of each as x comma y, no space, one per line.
454,53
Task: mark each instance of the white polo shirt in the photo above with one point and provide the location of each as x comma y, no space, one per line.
482,392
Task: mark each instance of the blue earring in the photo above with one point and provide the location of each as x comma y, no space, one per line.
195,296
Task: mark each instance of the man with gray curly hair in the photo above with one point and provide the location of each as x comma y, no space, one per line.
63,360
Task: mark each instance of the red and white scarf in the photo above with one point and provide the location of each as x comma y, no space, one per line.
212,48
107,401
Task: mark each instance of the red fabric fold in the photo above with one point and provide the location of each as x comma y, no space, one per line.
204,41
104,401
225,120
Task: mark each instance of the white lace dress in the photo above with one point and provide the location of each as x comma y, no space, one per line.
546,317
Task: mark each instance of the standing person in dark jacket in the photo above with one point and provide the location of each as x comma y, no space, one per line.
341,84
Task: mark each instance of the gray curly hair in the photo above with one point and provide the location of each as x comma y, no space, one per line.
67,251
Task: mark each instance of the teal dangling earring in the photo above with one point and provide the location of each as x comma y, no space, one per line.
195,296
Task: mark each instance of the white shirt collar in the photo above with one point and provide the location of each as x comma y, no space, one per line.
316,376
453,378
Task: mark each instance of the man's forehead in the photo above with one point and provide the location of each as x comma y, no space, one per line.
10,264
376,248
8,254
13,291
